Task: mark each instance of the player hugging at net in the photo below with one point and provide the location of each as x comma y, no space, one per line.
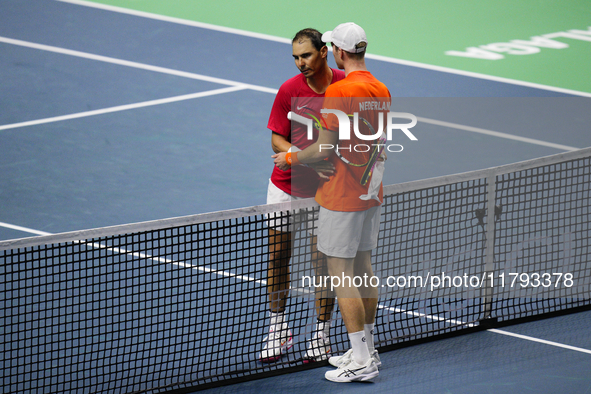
350,200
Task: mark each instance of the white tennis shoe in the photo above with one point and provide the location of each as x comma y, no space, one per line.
318,349
353,372
278,341
338,361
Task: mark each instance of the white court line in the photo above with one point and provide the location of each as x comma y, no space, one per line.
264,282
141,255
493,330
471,74
127,63
430,317
23,229
178,21
123,107
528,338
495,134
387,59
224,82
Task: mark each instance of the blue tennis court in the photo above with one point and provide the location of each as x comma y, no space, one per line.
112,117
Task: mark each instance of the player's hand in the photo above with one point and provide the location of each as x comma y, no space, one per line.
280,161
324,169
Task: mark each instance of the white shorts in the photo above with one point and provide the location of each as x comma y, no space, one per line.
343,234
305,219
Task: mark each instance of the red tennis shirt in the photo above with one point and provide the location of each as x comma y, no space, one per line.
302,182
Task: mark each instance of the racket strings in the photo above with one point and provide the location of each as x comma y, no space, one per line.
357,154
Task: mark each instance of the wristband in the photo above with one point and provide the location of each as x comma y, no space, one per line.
292,158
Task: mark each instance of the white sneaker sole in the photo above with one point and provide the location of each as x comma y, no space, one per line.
360,378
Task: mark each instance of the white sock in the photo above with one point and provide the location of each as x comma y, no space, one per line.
277,319
360,351
323,328
369,331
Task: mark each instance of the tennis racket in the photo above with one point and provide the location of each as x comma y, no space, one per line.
376,152
315,121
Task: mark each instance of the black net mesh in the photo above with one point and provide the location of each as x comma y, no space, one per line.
182,304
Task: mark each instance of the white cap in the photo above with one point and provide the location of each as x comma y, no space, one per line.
347,36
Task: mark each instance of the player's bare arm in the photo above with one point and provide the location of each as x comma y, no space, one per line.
279,143
316,152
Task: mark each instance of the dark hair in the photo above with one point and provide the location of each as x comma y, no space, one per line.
313,35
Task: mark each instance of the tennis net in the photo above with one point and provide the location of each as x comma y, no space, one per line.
181,304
